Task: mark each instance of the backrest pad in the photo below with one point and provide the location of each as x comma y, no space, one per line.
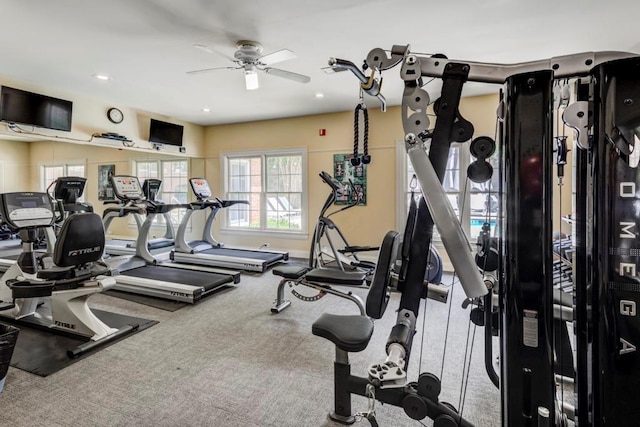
80,240
378,296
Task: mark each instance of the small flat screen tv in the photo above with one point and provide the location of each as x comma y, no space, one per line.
34,109
165,133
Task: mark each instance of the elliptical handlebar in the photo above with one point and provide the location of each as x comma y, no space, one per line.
337,190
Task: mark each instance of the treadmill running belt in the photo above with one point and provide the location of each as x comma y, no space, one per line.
269,257
178,275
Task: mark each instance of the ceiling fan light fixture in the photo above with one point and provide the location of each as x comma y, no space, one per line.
103,77
251,80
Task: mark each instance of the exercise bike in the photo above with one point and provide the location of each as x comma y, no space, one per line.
55,299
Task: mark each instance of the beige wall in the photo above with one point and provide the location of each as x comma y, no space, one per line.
15,165
362,225
90,117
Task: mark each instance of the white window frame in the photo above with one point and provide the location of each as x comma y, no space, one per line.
263,154
65,168
465,190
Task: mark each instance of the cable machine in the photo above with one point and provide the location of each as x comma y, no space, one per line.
606,117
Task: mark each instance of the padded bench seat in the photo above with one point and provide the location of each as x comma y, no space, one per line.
321,275
348,333
291,272
336,277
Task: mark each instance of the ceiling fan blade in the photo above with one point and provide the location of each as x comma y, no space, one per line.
277,56
300,78
213,52
202,48
251,81
208,70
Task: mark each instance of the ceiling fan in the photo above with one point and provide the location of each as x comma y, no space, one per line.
248,58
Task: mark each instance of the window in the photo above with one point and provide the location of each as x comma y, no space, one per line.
174,176
49,173
272,184
473,203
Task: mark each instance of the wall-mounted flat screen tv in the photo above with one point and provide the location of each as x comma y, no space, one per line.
34,109
165,133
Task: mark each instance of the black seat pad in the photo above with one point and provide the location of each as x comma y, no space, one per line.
292,272
336,277
348,333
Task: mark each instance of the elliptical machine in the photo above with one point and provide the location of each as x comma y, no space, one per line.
338,253
56,298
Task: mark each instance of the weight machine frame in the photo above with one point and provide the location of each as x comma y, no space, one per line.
607,284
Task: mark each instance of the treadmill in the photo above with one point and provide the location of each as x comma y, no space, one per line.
150,189
209,251
143,274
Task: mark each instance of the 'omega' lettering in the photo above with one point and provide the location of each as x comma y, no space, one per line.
627,308
625,232
627,189
627,347
627,268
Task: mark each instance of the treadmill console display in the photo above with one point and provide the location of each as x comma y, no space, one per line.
151,188
69,188
26,210
127,187
200,188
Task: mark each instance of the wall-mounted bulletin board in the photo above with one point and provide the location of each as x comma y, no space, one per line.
105,190
345,172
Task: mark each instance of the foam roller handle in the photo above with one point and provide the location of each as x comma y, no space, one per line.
444,217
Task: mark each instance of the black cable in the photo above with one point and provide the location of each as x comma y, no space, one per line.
365,156
356,133
466,384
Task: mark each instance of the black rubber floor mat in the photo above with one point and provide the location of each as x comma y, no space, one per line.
44,353
161,303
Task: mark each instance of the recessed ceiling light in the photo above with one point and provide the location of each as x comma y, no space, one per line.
206,110
103,77
319,95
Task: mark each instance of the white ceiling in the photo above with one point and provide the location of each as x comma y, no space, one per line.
146,46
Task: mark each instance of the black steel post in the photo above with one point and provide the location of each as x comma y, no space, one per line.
526,301
616,253
582,288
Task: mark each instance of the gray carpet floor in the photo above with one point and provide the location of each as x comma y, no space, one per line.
228,361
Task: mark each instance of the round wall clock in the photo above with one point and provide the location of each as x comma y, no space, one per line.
114,115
